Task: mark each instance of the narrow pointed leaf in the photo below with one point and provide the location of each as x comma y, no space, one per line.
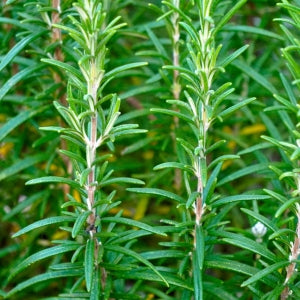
138,257
248,244
261,80
54,179
133,223
229,15
23,164
263,273
119,180
260,218
89,263
44,222
233,56
175,165
63,66
120,69
40,256
18,48
172,113
80,221
14,122
235,107
158,192
243,172
24,74
243,197
41,278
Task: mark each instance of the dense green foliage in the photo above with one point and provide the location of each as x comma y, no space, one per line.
149,149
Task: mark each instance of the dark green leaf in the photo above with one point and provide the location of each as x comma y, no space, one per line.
267,270
243,197
89,259
41,278
133,223
54,179
159,192
138,257
41,223
41,255
18,48
17,77
80,221
23,164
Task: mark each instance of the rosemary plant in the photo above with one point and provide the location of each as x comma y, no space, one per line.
91,117
219,215
203,106
289,174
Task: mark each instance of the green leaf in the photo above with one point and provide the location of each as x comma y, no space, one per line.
63,66
54,179
264,272
235,107
138,145
89,263
133,223
9,249
120,69
80,221
172,113
286,205
159,192
175,165
288,87
74,156
243,172
44,222
219,262
197,278
146,274
243,197
14,21
253,30
260,218
24,74
138,257
41,278
293,108
222,158
229,15
157,254
191,31
261,80
199,248
23,164
53,251
119,180
26,203
281,232
248,244
95,293
275,195
192,197
19,119
156,42
231,57
215,146
211,183
18,48
256,147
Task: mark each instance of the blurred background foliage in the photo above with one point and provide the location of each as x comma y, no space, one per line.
26,104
